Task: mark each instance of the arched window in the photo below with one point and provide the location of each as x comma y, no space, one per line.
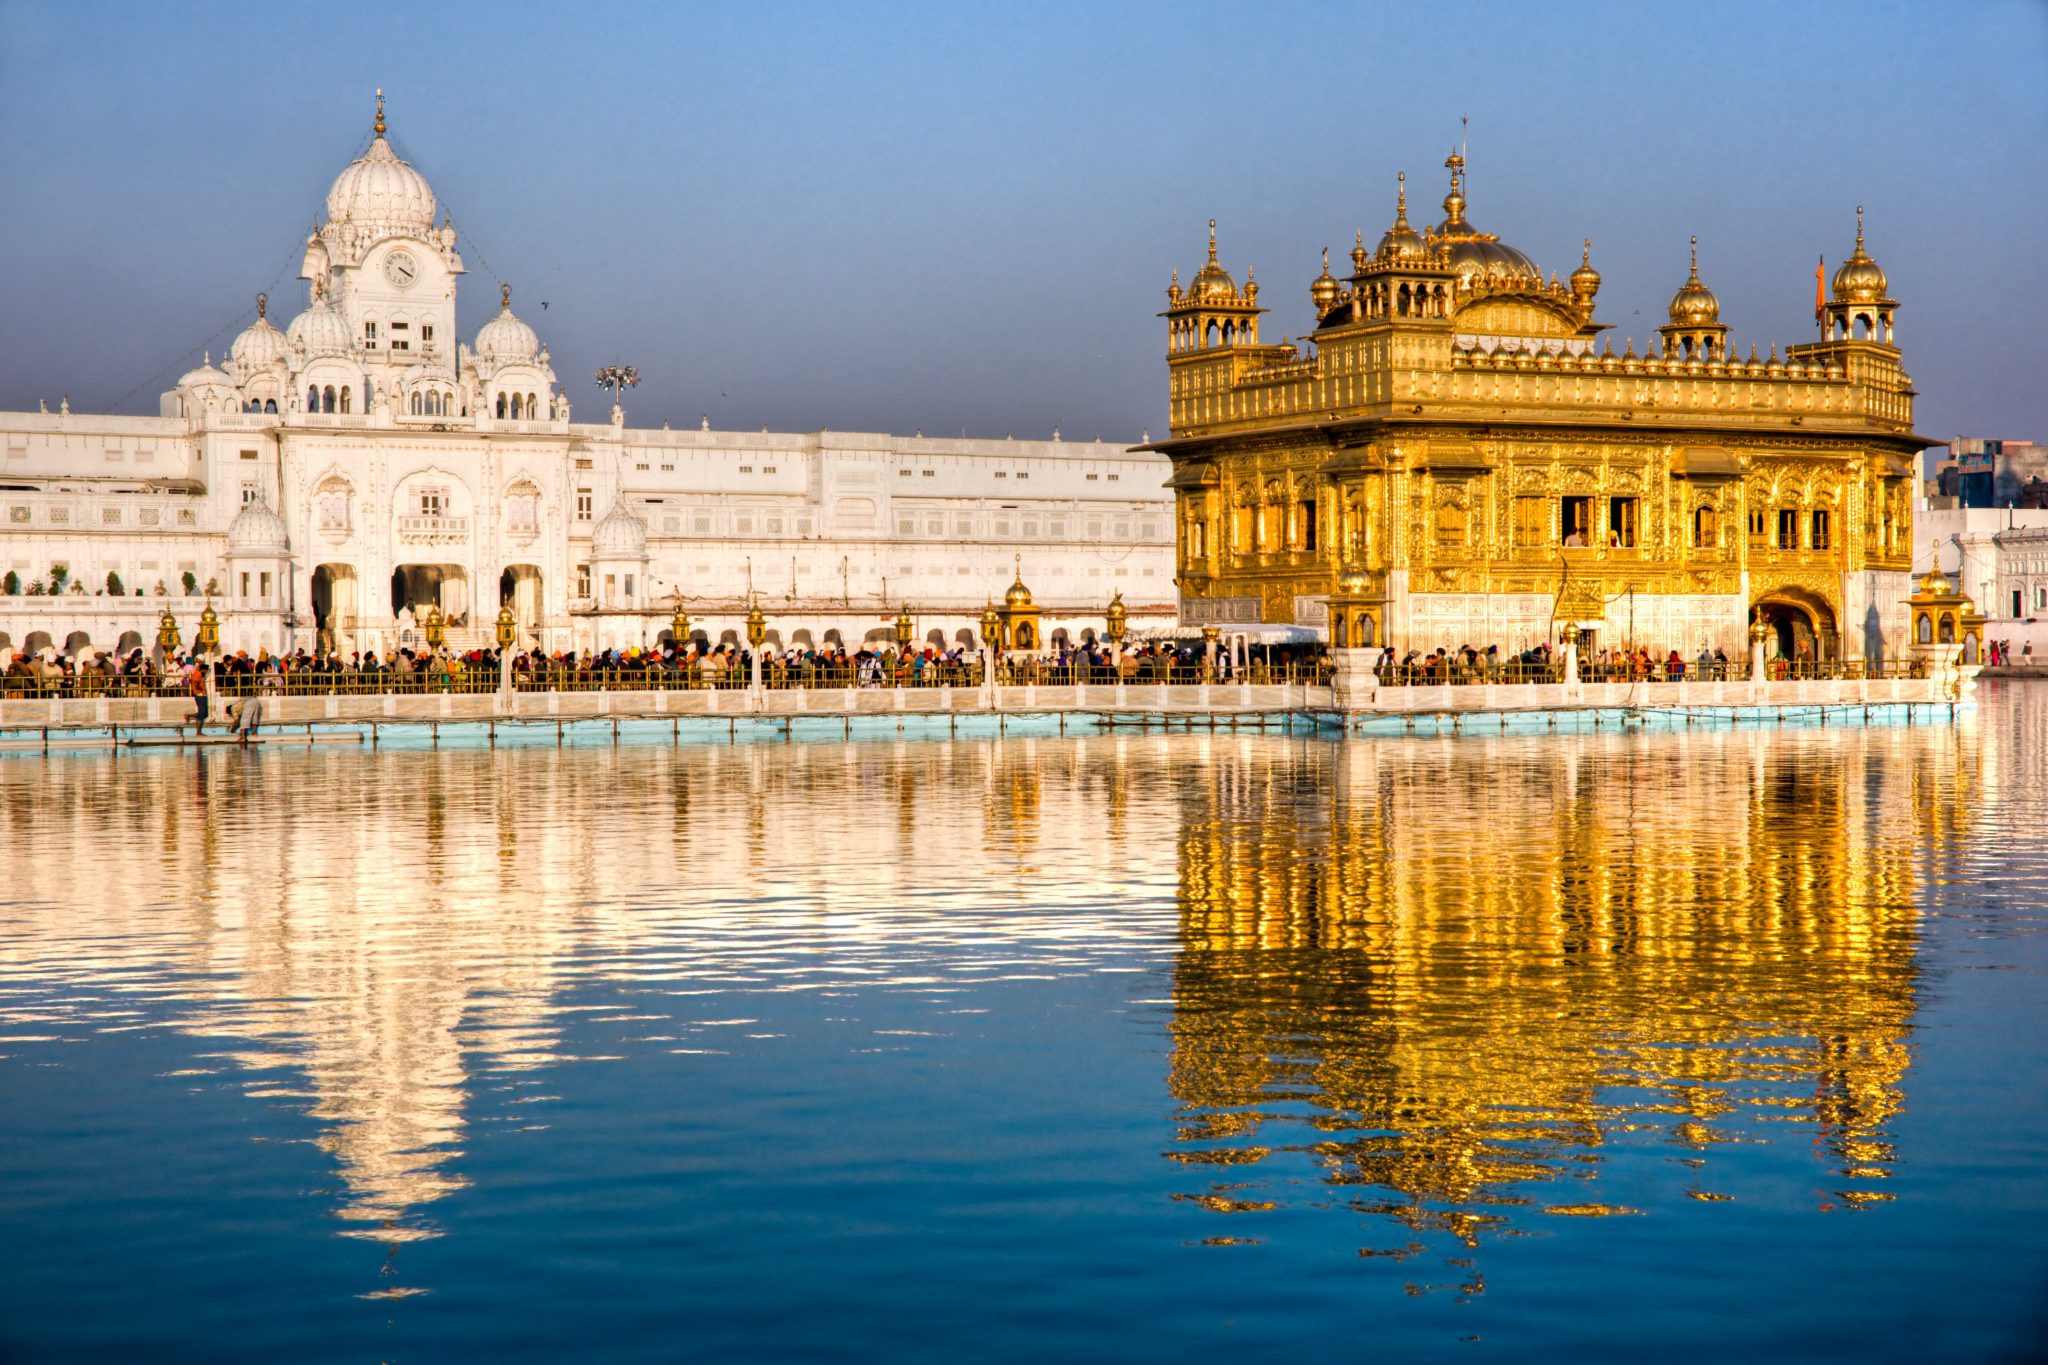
1703,529
270,405
532,407
501,405
1924,630
1948,629
416,408
344,398
327,399
312,399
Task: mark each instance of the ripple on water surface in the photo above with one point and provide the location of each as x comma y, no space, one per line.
1269,1032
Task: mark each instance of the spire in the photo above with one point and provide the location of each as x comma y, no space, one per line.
1694,277
1212,235
262,304
1859,227
379,126
1586,254
1401,201
505,297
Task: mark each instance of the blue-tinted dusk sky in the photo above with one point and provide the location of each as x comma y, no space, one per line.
962,216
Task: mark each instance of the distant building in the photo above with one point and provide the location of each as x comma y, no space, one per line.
1973,471
333,479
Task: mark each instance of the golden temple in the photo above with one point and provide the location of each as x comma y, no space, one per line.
1455,439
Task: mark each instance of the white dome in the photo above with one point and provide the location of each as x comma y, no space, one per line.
256,527
505,338
260,345
320,330
380,190
206,374
621,535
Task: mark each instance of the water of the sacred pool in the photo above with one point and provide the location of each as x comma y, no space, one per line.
1720,1042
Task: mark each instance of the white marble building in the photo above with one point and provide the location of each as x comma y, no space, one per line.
362,461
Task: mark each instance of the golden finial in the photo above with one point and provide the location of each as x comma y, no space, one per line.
380,111
505,297
262,303
1401,198
1695,261
1586,253
1212,241
1859,227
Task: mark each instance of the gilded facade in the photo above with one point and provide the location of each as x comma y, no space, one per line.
1456,433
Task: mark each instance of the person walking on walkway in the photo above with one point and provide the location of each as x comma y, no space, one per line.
195,683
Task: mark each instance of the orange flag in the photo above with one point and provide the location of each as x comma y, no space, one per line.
1820,298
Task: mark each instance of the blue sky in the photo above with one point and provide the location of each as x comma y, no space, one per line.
956,217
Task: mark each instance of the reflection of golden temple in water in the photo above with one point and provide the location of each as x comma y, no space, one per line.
1448,976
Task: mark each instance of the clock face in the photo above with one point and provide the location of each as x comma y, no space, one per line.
401,269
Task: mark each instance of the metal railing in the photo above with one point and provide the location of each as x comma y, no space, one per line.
827,675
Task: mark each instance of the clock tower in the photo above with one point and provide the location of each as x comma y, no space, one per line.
387,268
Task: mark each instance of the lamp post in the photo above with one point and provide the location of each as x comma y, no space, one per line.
904,627
757,631
1116,621
1758,633
679,625
437,629
208,643
167,638
508,632
1210,635
991,647
616,379
1570,636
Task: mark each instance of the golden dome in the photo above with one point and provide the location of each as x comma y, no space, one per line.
1403,245
1586,280
1471,253
1860,279
1213,281
1694,305
1018,595
1323,293
1353,582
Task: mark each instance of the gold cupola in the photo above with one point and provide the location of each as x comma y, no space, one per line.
1585,280
1212,311
1403,245
1860,279
1861,307
1695,331
1213,281
1481,260
1325,290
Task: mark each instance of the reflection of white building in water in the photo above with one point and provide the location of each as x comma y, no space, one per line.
329,475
